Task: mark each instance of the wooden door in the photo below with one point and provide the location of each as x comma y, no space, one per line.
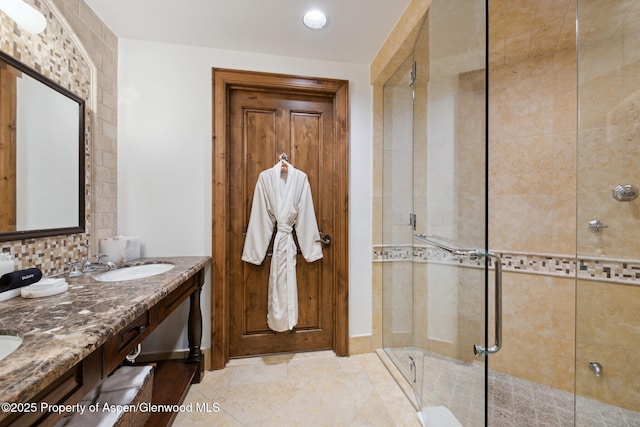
262,116
262,125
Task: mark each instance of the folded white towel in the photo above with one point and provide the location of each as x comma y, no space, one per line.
38,286
44,288
118,397
120,388
125,377
50,281
9,294
98,419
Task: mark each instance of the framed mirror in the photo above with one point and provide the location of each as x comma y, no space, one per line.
42,152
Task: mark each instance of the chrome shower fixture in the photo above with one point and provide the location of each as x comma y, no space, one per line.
596,225
625,193
596,368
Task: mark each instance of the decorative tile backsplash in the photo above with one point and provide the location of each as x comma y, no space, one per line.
51,255
586,268
54,53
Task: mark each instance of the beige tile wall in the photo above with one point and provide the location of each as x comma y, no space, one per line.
608,325
532,146
99,90
102,46
608,332
532,172
609,96
538,330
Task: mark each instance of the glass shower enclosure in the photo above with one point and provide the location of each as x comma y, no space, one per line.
510,258
438,279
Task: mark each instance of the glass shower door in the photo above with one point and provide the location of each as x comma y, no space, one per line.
397,231
452,278
436,265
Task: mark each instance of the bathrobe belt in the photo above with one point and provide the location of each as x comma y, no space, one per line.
284,228
288,286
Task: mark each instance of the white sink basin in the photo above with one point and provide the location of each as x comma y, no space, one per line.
8,343
134,272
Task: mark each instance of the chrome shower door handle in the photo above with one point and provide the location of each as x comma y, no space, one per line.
441,243
477,348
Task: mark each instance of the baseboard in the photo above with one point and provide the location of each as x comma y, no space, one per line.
207,359
176,355
445,348
360,344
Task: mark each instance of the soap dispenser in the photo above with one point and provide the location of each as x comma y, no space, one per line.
6,263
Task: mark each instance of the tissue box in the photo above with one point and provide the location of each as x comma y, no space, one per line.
120,249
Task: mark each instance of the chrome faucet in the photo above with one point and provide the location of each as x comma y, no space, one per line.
100,265
596,368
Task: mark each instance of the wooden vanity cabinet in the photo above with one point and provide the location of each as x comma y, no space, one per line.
172,378
116,349
70,388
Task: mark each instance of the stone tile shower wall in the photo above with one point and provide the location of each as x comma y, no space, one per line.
532,210
608,325
57,54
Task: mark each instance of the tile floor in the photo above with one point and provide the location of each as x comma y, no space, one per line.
518,402
303,389
320,389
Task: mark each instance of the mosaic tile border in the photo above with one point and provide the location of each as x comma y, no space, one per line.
585,268
56,54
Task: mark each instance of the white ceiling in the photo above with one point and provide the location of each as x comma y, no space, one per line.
356,28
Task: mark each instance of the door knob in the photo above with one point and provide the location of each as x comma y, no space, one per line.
325,240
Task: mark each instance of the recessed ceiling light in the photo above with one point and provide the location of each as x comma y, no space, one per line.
314,19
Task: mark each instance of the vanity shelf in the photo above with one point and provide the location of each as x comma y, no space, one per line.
171,377
161,297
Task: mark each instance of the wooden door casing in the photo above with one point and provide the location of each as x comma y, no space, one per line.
227,177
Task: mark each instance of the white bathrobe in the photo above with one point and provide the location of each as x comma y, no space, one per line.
282,200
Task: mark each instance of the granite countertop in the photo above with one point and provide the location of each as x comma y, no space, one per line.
61,330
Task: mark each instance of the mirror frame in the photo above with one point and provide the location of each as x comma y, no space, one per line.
75,229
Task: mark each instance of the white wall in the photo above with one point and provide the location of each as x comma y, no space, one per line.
165,164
